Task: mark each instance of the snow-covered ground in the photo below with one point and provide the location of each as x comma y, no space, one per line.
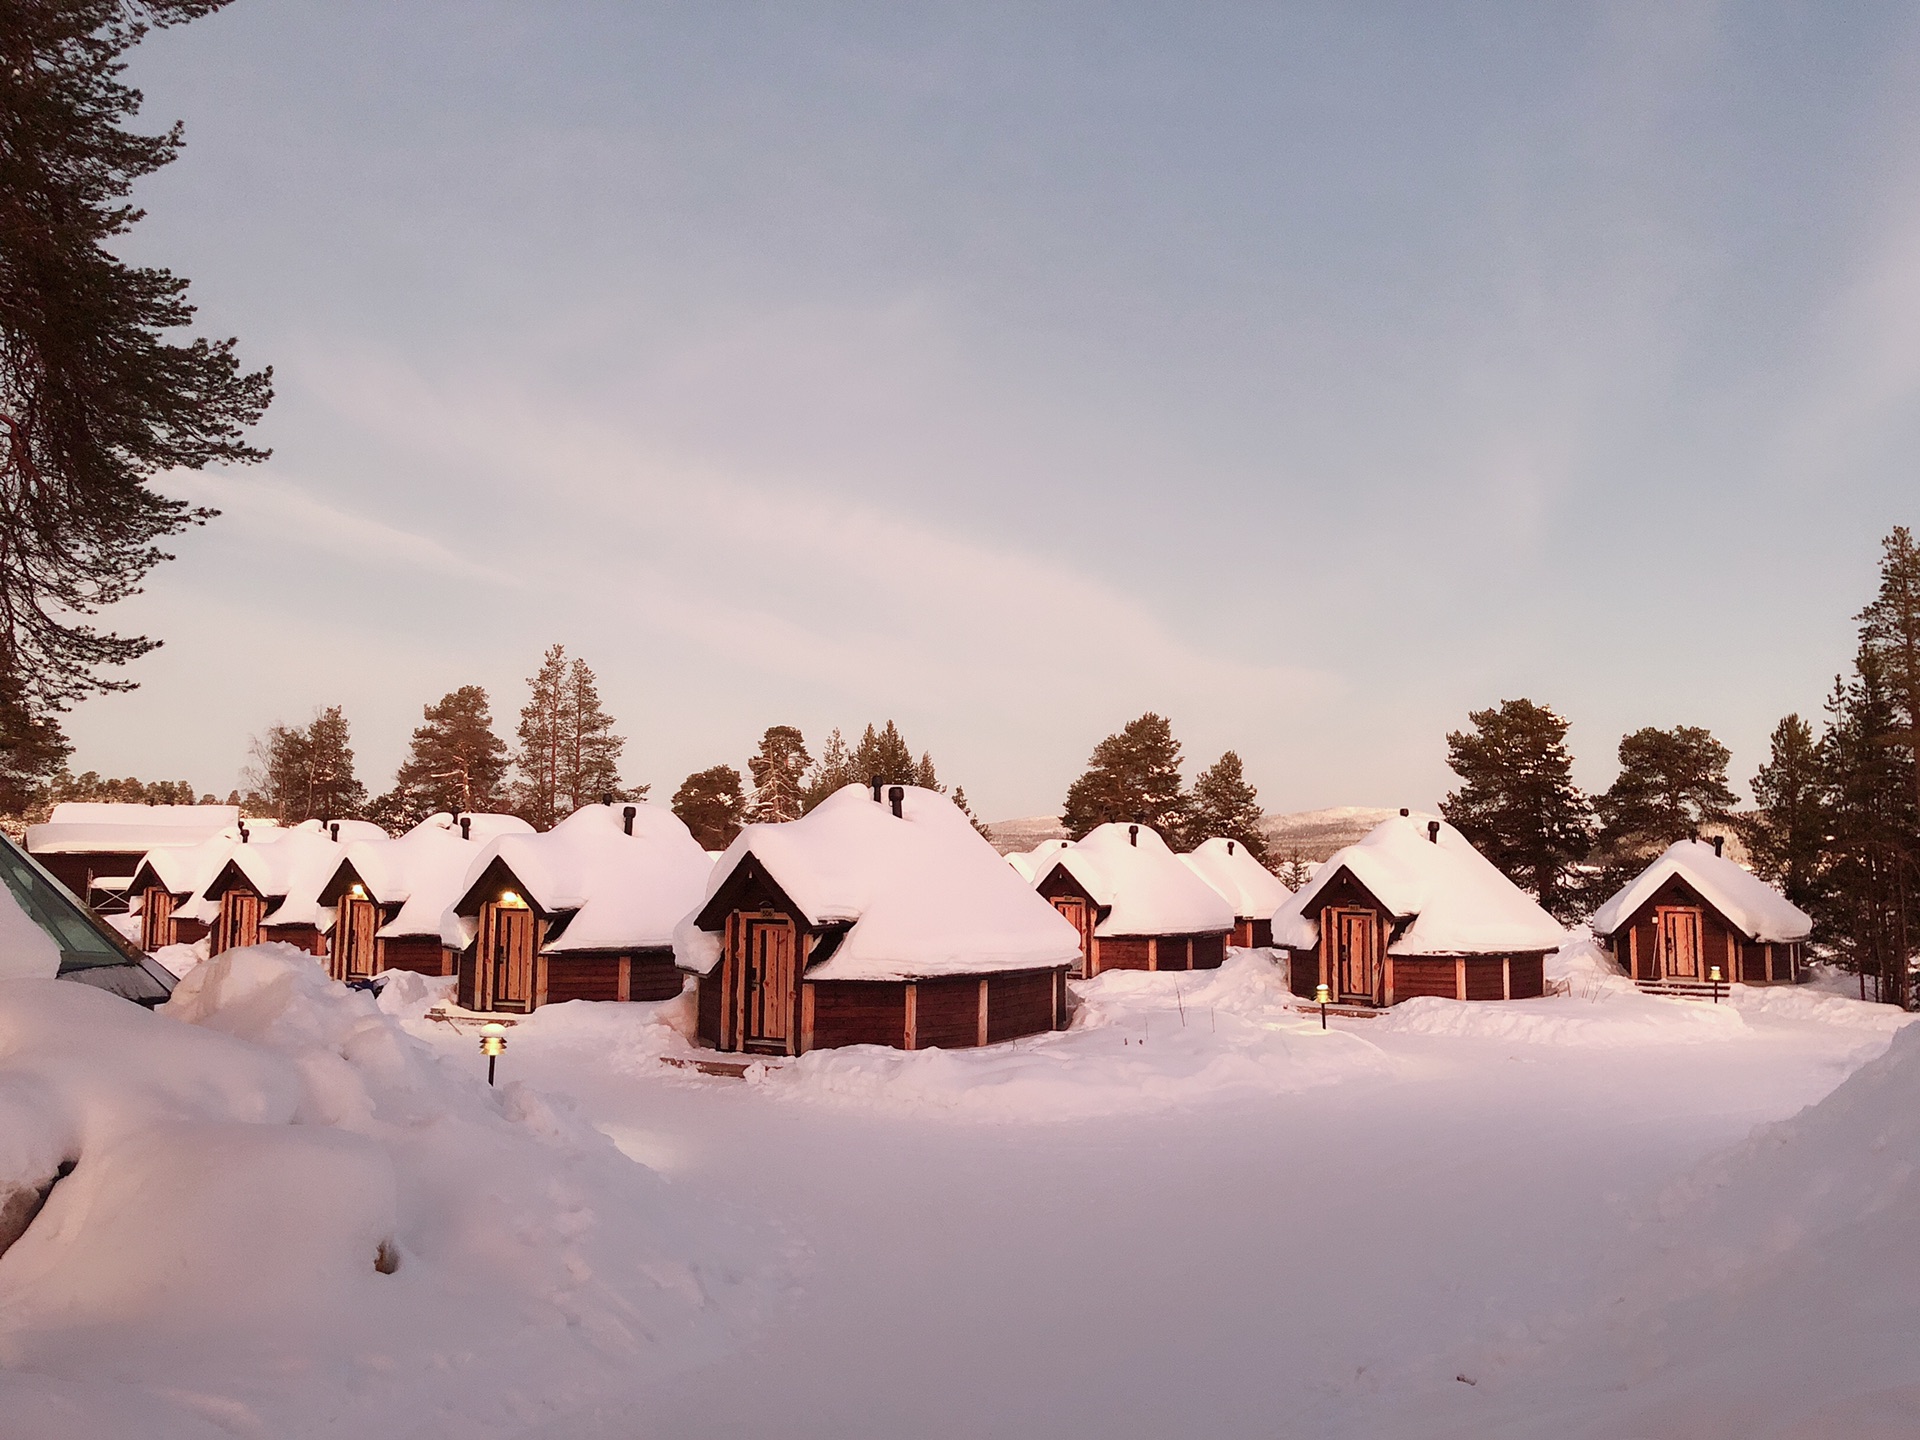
1194,1212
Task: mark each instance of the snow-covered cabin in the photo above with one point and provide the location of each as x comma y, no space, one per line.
94,847
1693,910
1414,909
269,887
1254,891
877,918
584,911
1134,904
164,886
1033,863
392,900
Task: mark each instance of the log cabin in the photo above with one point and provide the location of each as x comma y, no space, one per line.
1134,904
1254,891
1414,909
880,917
269,888
392,900
94,848
1693,911
584,911
165,885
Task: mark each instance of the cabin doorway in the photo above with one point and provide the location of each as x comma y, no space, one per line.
505,958
1353,959
354,946
156,919
1080,915
1680,944
239,922
767,978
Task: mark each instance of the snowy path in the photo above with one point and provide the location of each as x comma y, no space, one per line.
1307,1263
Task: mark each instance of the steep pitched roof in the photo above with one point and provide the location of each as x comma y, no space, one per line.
422,872
921,894
1140,883
1251,888
1752,906
1457,903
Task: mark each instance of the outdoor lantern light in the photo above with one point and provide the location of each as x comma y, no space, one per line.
511,899
359,892
1713,975
1322,997
493,1040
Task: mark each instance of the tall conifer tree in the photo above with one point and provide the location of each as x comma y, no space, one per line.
712,805
1133,777
779,773
455,762
1224,804
1787,835
1671,783
1517,801
305,772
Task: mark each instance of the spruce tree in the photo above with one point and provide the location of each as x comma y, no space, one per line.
832,772
1890,636
1223,804
1133,778
1518,804
455,762
712,805
305,772
1671,782
1787,837
32,752
94,402
779,775
540,737
589,749
960,803
883,755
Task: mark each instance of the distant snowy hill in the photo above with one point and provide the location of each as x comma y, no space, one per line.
1311,834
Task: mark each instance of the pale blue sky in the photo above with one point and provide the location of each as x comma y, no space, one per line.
1310,374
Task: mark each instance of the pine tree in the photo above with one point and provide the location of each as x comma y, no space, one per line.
456,763
1671,782
305,772
832,772
540,736
93,402
779,775
1890,635
1132,778
32,752
883,755
960,803
1296,870
1223,804
711,804
589,751
1787,838
1518,804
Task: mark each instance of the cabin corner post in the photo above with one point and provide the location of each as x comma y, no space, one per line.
912,1016
1506,977
1459,977
1386,968
981,1025
806,1017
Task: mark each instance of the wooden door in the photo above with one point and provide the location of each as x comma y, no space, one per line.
767,977
504,957
1354,962
239,922
1081,915
156,919
1680,943
354,952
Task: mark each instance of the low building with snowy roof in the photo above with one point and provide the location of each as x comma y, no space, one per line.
880,917
1254,891
584,911
165,884
1414,909
1133,903
94,847
269,886
1692,912
1033,863
392,899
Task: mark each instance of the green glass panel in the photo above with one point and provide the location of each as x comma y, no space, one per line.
82,940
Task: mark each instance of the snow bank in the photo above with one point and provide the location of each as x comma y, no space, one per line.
1459,903
1140,1041
1758,910
922,893
1609,1020
245,1155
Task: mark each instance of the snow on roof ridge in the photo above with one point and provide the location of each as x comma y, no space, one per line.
1753,906
923,894
1146,889
1253,890
1458,901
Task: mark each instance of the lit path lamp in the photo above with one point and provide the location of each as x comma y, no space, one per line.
1323,998
493,1039
1713,975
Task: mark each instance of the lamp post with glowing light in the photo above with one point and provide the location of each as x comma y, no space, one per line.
1323,998
1713,975
493,1040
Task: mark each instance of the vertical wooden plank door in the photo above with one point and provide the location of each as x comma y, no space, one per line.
1081,918
769,978
505,978
1354,966
238,924
156,919
354,946
1680,943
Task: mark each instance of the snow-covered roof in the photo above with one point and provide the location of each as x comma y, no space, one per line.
922,894
423,872
1752,906
1034,863
624,892
291,869
1130,873
1459,904
83,827
1251,888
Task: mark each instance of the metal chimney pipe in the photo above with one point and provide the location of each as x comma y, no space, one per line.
1133,835
876,782
334,830
1433,831
627,816
243,832
898,796
1719,844
466,827
606,797
1229,847
1404,812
